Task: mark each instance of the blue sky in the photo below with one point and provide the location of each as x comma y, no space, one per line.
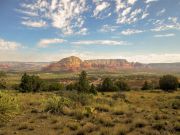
48,30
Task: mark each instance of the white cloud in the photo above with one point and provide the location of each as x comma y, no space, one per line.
131,1
83,31
108,28
165,35
149,1
166,27
9,45
144,15
100,42
126,11
46,42
100,7
131,32
155,58
161,12
65,15
173,19
36,24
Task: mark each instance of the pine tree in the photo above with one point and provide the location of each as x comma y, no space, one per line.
83,83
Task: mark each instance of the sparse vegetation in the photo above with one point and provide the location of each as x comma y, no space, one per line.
8,107
118,111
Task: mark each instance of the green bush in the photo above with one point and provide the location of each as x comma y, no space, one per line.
168,83
122,85
34,84
72,86
31,83
8,107
107,85
56,104
93,90
56,86
147,86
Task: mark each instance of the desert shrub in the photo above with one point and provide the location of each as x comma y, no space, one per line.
168,83
3,84
122,85
55,86
140,123
82,98
8,107
107,85
56,104
147,86
176,104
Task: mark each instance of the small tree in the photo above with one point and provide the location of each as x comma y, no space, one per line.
83,83
122,85
168,83
93,89
147,86
31,83
107,85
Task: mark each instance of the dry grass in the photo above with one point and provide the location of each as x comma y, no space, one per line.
107,114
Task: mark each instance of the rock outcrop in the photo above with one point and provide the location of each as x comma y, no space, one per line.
74,64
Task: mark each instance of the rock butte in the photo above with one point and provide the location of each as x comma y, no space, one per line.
74,63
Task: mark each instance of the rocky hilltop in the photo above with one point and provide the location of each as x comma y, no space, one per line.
74,63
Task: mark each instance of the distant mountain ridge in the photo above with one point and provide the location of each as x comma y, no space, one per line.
74,63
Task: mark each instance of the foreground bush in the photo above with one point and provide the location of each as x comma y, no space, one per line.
8,107
168,83
56,104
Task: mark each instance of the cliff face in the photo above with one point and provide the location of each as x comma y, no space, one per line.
74,64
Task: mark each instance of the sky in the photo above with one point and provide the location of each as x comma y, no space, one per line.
146,31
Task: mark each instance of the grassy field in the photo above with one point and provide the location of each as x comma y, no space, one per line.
135,112
69,113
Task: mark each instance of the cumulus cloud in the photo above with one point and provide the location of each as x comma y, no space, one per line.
165,35
100,6
65,15
100,42
131,32
8,45
46,42
126,12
